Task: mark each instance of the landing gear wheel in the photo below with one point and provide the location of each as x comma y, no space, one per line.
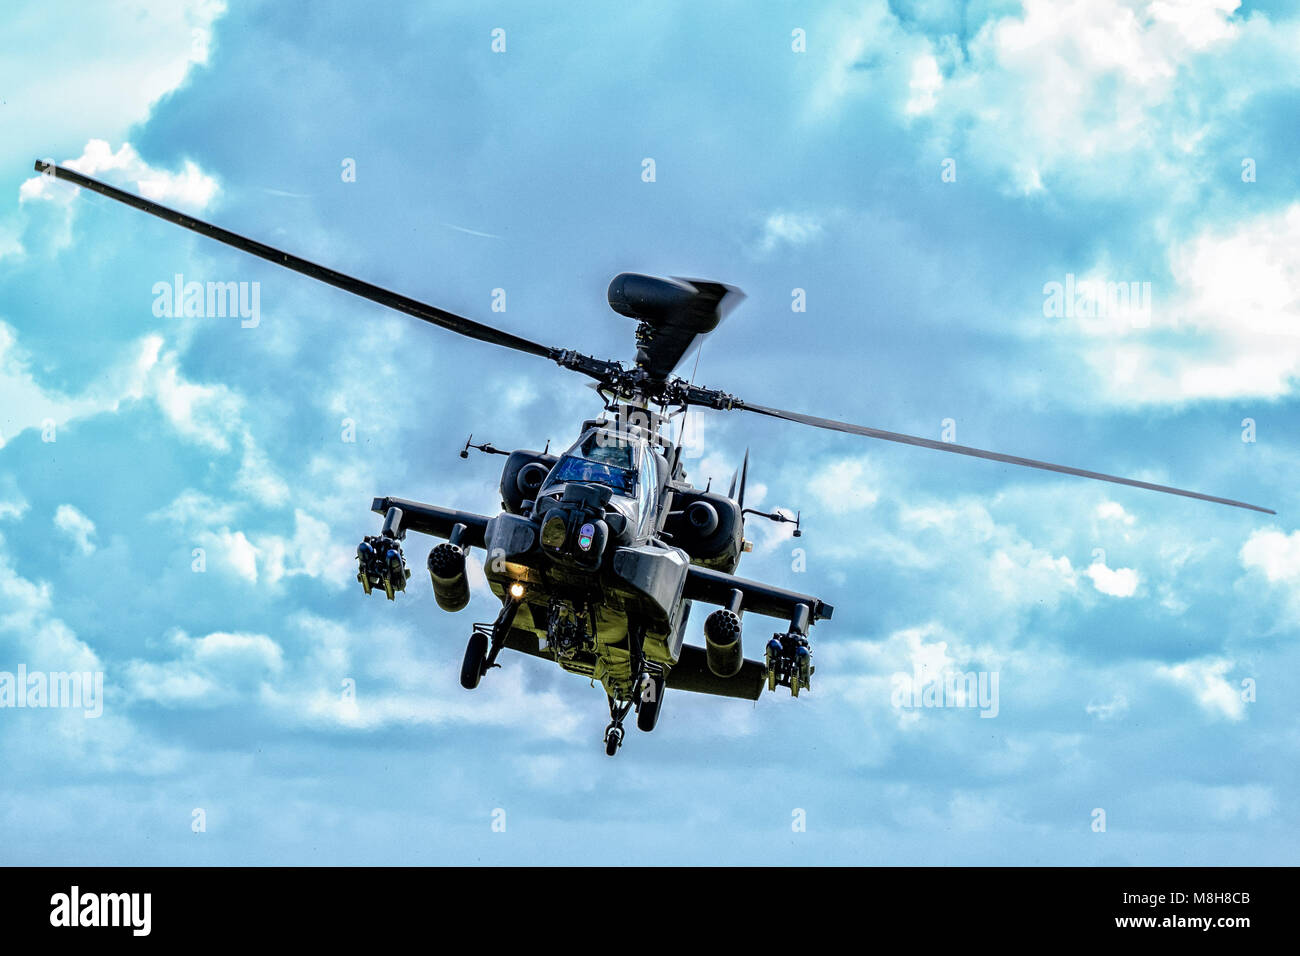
647,712
613,739
474,666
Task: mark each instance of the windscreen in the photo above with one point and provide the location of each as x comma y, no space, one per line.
573,468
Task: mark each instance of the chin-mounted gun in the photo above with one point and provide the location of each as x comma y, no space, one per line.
380,559
789,656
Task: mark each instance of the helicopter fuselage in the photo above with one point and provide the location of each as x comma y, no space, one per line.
596,557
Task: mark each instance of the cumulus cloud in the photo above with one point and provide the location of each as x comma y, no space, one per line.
25,403
26,608
103,65
924,85
1229,328
845,486
1099,94
268,558
789,229
207,414
1206,680
1023,574
1097,99
100,64
1275,554
191,188
1116,582
891,676
12,502
1113,511
207,671
76,526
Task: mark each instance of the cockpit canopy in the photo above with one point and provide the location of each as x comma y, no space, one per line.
573,468
602,458
621,463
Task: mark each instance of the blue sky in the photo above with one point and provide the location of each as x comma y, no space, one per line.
1144,645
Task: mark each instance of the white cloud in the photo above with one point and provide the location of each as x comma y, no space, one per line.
234,548
1230,328
208,671
1113,511
789,229
879,676
76,526
257,477
1091,95
398,683
101,70
1276,554
25,404
266,558
12,502
205,414
845,486
1022,574
192,507
67,742
310,552
1089,91
1110,99
190,189
1207,682
1116,582
111,69
1108,710
925,83
103,76
864,38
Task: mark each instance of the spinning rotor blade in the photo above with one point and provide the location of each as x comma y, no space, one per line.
394,300
838,426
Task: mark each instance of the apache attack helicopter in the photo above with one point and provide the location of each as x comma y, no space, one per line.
600,551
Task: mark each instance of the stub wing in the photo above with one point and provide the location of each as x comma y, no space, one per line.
715,587
433,520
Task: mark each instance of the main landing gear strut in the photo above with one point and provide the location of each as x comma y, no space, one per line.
646,695
618,709
485,644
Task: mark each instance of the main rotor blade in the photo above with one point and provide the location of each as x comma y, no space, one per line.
393,300
838,426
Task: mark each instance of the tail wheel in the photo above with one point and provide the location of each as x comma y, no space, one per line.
472,668
613,739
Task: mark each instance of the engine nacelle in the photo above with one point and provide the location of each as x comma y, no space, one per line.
722,646
447,571
708,527
522,478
